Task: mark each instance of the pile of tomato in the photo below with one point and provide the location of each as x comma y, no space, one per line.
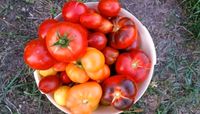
90,58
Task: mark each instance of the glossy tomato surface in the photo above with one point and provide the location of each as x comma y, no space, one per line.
124,33
64,77
119,91
72,11
84,98
97,40
136,64
100,75
76,73
67,41
105,27
109,8
93,60
110,54
45,26
49,84
37,56
91,20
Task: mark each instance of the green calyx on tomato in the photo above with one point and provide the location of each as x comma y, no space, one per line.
63,40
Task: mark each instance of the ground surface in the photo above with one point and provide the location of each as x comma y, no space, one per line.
175,88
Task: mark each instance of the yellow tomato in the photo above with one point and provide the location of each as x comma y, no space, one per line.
48,72
93,60
60,95
84,98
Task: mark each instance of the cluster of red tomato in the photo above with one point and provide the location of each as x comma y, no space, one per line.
77,56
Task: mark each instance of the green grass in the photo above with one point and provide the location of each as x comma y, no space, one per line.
193,13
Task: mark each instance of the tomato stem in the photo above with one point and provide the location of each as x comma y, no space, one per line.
63,40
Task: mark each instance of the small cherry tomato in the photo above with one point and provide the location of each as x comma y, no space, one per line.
110,55
37,56
105,27
76,73
100,75
93,60
60,95
60,66
119,91
47,72
84,98
135,64
124,33
72,11
91,20
45,26
97,40
49,84
109,8
65,79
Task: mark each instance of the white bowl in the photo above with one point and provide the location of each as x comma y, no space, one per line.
147,46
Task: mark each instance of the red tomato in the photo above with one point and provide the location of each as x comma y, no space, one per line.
91,20
136,64
65,79
72,11
118,91
60,66
67,41
97,40
110,55
124,33
105,27
109,8
135,45
49,84
45,26
37,56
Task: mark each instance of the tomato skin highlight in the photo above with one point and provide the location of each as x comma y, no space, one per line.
135,64
65,78
97,40
37,56
91,20
110,54
109,8
124,33
49,84
93,60
105,27
67,41
45,26
119,91
72,11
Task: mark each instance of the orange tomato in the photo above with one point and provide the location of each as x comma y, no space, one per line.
101,74
84,98
93,60
60,66
76,73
